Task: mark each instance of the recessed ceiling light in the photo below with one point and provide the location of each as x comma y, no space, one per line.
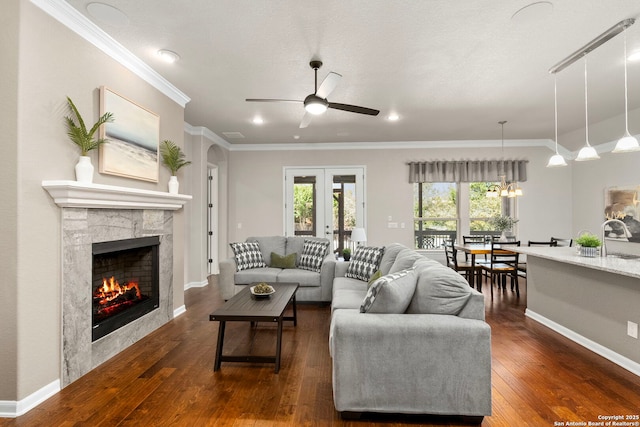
257,121
634,56
168,56
393,117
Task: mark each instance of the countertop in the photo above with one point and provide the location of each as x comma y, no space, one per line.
610,264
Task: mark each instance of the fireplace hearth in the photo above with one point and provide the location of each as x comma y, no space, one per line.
125,282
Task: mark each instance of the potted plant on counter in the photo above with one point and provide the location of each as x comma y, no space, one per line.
85,140
588,244
174,159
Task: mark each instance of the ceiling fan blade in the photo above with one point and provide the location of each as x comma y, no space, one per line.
328,85
306,119
354,109
272,100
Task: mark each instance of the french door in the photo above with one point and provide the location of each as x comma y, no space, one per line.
324,202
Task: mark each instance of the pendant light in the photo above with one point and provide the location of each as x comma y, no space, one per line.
587,152
503,189
556,160
627,143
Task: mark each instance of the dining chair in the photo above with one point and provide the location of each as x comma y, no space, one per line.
503,263
473,239
562,242
464,268
522,265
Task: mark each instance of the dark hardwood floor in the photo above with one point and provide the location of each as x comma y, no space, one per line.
539,377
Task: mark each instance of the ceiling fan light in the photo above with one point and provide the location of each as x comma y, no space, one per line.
626,144
315,107
587,153
556,161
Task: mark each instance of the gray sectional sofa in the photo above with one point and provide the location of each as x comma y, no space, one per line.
423,347
314,286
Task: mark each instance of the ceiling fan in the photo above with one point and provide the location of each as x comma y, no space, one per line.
317,102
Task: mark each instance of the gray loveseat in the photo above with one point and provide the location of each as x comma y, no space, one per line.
314,286
423,347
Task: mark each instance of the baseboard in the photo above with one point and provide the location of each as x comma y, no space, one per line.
196,285
603,351
179,311
12,408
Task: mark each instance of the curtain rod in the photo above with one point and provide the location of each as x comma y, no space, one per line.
592,45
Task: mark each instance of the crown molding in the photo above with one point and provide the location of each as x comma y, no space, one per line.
206,133
78,23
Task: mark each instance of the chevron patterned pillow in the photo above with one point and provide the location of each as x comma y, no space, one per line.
247,255
365,262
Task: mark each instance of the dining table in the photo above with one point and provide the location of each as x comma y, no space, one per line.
474,249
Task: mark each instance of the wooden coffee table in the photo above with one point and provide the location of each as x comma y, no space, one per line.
245,307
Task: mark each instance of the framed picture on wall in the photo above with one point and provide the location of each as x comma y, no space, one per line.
133,138
623,203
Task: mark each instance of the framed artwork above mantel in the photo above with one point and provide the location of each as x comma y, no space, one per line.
133,138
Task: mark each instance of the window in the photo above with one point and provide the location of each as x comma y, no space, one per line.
446,210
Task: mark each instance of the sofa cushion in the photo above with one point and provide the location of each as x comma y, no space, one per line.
364,263
253,275
270,244
287,261
304,278
389,256
440,290
313,253
247,255
295,244
391,293
405,259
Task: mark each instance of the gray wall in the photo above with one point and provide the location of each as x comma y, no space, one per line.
53,63
256,189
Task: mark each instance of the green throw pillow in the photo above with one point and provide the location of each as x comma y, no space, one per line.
278,261
375,276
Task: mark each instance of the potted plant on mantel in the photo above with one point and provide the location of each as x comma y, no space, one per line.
504,224
174,159
588,245
84,139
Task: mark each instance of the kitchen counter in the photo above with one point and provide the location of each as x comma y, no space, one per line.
611,264
592,301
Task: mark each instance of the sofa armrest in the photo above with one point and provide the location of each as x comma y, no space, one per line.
341,268
411,363
327,273
226,279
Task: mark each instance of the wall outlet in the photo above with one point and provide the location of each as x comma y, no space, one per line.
392,225
632,329
239,225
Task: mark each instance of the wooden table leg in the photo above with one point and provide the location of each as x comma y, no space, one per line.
279,345
295,311
218,361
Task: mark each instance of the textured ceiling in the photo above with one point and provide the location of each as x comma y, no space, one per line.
450,69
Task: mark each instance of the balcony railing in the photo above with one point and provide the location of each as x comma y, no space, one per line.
434,239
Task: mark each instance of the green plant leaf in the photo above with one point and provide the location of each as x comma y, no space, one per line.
172,156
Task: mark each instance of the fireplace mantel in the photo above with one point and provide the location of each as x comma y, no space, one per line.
73,194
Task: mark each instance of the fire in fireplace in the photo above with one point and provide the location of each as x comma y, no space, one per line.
125,282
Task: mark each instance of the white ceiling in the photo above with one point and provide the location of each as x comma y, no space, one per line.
450,69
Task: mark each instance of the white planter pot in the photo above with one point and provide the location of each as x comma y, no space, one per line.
588,252
84,170
173,184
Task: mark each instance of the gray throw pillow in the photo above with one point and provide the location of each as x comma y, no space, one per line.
247,255
439,290
391,293
365,262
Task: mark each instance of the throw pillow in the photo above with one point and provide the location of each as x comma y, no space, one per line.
313,253
365,261
278,261
247,255
391,293
439,290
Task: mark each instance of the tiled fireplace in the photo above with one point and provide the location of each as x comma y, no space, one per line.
96,220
